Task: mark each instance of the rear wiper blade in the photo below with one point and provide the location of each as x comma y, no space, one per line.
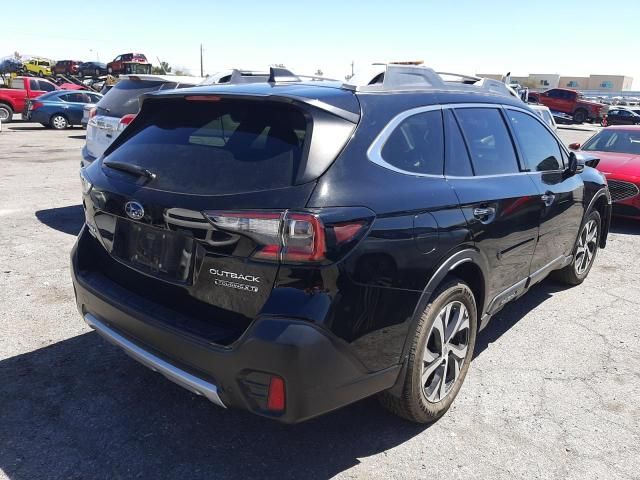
132,169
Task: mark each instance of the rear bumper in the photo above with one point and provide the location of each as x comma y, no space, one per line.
320,372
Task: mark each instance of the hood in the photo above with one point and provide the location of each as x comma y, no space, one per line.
618,164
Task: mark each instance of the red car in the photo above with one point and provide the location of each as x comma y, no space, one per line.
618,148
570,102
66,67
117,65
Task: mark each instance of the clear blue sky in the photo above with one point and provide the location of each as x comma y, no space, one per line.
484,36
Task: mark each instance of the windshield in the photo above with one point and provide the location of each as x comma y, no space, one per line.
615,141
123,98
216,147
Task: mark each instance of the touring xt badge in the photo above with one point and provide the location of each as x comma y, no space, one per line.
227,279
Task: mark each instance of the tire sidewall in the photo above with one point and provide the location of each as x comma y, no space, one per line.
454,290
9,113
593,215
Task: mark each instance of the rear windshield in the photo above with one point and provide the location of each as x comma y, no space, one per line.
123,98
216,147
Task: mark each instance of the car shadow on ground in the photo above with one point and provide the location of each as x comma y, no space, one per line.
80,408
78,137
514,312
65,219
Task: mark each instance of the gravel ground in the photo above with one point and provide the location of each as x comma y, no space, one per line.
553,391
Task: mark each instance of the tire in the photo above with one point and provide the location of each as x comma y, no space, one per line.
582,261
579,116
40,74
58,122
424,401
6,113
97,72
81,73
110,70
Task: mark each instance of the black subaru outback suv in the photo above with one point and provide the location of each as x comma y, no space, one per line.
291,247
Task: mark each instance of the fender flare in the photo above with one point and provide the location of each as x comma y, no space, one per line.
603,192
467,255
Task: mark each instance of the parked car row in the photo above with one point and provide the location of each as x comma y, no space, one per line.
127,63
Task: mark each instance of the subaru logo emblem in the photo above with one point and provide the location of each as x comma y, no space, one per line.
134,210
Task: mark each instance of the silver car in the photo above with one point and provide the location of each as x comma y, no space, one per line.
119,107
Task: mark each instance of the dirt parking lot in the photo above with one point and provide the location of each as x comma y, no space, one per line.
554,390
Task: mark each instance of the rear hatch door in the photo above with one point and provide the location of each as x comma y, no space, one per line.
194,193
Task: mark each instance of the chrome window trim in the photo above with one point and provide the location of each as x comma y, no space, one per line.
374,152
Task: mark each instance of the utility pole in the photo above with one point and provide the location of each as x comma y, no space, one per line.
201,66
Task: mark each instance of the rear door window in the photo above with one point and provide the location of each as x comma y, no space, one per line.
489,142
539,147
416,145
228,146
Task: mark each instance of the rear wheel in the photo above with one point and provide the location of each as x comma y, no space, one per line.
59,122
6,113
579,116
41,74
97,72
440,355
584,252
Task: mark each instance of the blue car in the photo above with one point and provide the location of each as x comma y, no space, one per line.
59,109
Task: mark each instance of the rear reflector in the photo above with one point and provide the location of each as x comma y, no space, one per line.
276,398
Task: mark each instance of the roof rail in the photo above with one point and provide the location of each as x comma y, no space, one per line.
413,77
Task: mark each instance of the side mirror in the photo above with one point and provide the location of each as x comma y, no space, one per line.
574,146
576,165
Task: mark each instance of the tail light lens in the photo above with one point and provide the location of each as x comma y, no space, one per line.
289,237
126,120
35,105
93,111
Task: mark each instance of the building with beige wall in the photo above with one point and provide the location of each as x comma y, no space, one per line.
579,83
544,81
614,83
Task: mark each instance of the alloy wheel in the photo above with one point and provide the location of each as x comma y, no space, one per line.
445,351
587,245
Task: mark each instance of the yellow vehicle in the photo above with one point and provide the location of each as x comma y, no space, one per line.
39,66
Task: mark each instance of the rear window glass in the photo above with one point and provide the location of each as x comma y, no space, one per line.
416,145
222,147
123,98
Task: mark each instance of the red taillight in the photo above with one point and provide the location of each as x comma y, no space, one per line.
202,98
276,398
36,105
289,237
126,120
93,112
